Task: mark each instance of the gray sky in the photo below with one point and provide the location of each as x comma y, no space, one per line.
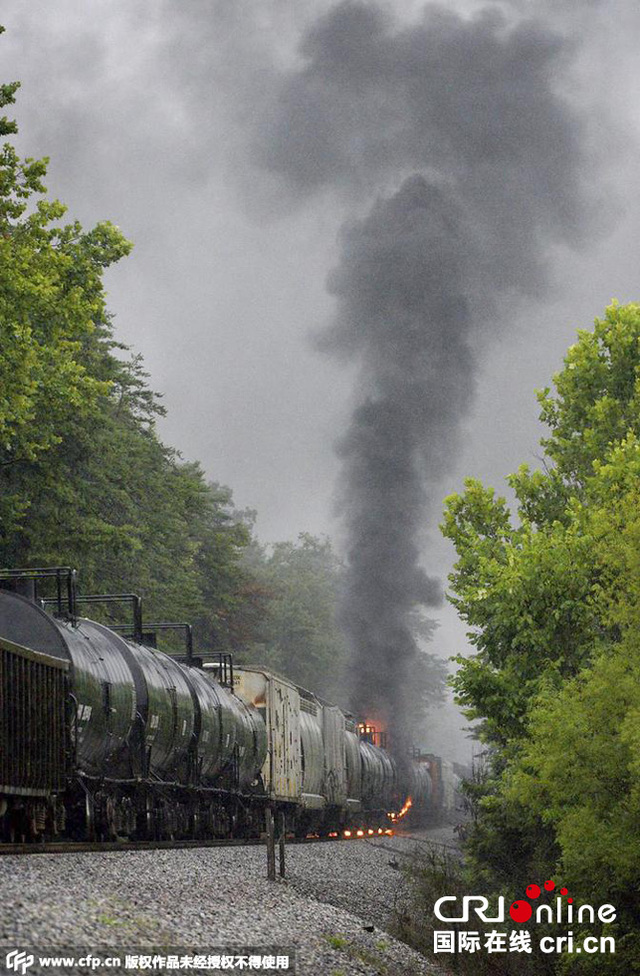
153,112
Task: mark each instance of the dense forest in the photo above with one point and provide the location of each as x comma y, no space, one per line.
85,480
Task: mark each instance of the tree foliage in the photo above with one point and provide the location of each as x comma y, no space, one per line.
84,479
551,596
51,301
298,635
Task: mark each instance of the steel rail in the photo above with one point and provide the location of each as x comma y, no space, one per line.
107,847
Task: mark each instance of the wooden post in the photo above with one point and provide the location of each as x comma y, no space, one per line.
281,840
271,842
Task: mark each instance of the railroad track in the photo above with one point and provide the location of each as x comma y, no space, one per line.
427,845
85,847
88,847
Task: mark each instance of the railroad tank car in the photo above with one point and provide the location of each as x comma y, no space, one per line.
312,752
419,787
353,766
140,744
378,776
336,778
138,716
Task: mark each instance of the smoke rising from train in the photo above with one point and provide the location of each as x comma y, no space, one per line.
454,125
458,169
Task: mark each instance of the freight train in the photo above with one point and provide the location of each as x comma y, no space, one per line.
102,736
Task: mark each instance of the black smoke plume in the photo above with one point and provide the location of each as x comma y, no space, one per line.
402,307
464,114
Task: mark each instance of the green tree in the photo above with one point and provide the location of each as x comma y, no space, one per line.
299,636
579,770
114,501
51,301
84,479
551,598
526,594
232,602
530,588
597,399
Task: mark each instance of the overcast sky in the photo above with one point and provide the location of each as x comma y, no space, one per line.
156,113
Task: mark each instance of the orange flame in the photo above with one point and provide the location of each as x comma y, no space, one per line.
394,817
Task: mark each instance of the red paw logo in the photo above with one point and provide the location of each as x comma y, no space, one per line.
521,910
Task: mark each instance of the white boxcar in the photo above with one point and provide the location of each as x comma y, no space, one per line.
279,703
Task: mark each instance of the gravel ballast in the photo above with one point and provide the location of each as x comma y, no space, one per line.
334,894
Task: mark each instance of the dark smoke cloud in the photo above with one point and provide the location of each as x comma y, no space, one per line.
465,114
473,99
